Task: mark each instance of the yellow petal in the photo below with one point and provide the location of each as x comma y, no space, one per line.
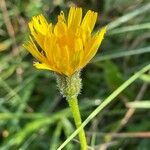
89,21
61,17
39,28
74,17
49,47
93,46
60,29
39,24
66,55
42,66
31,47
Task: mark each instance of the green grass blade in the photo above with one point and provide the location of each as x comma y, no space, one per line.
145,78
128,16
56,136
141,104
144,26
120,53
105,103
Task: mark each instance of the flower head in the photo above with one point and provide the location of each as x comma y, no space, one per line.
66,47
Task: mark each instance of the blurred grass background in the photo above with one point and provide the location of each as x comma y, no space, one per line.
33,115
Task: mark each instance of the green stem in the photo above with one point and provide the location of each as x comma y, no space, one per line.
73,103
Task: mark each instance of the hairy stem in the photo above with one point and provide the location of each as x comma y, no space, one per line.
73,103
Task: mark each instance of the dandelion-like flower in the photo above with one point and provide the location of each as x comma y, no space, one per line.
66,47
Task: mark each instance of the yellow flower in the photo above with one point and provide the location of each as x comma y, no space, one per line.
66,47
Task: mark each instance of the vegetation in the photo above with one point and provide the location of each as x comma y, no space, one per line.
33,115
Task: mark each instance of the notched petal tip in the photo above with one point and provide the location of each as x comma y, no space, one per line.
89,21
74,17
38,24
61,17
